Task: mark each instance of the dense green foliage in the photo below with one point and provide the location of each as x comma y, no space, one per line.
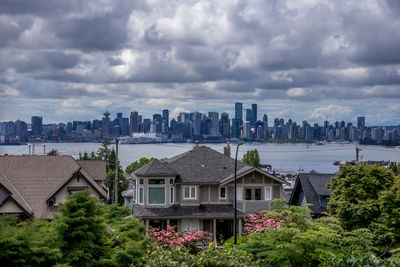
28,243
137,164
81,229
86,233
368,196
210,256
252,158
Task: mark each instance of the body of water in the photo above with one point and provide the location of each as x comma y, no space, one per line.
282,157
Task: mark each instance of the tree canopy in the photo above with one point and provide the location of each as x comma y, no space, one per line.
252,158
137,164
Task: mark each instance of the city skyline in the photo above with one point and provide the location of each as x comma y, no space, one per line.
305,60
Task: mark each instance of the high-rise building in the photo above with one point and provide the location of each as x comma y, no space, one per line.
214,124
165,117
239,111
105,124
254,109
224,126
21,129
134,122
246,130
196,123
37,126
360,123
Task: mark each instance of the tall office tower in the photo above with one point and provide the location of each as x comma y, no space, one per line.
224,126
119,115
254,109
249,116
213,128
124,125
360,122
246,130
235,128
146,125
265,126
239,112
134,122
165,117
37,125
157,117
21,129
196,123
105,124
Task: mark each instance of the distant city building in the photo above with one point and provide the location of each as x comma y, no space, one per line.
37,126
105,124
134,122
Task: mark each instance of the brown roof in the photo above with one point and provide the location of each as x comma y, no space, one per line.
36,178
96,168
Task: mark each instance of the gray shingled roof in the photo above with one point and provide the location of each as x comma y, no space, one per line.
177,211
314,187
156,168
203,165
96,168
35,178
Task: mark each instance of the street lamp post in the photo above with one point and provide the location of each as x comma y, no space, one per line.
235,200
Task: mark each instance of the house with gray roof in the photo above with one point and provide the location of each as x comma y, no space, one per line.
311,188
34,186
195,190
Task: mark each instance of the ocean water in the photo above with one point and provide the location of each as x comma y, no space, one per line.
284,158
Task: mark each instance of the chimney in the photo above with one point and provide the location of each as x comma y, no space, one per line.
227,150
196,144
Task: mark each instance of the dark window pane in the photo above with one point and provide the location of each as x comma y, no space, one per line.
248,193
222,193
257,194
156,181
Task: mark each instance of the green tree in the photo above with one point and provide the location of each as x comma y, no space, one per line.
137,164
355,194
53,152
28,243
252,158
122,185
81,230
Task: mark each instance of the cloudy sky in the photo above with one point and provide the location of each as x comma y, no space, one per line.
309,59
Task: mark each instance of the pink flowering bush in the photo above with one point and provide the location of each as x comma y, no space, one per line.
170,238
260,223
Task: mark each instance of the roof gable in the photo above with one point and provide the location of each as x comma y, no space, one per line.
314,186
95,168
35,178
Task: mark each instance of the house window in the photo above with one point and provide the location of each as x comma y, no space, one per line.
141,195
257,194
156,181
253,193
324,202
248,193
171,181
239,193
156,195
189,192
140,181
268,195
222,192
171,195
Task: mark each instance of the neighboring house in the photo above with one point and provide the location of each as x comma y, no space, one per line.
34,186
128,196
311,188
195,190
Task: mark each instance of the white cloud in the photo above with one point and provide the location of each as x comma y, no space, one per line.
331,112
101,103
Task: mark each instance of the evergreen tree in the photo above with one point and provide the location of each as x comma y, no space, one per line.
81,229
252,158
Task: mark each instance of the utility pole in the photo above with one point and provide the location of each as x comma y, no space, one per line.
44,149
357,153
116,173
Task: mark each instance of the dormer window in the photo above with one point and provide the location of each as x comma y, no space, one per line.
222,192
189,192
